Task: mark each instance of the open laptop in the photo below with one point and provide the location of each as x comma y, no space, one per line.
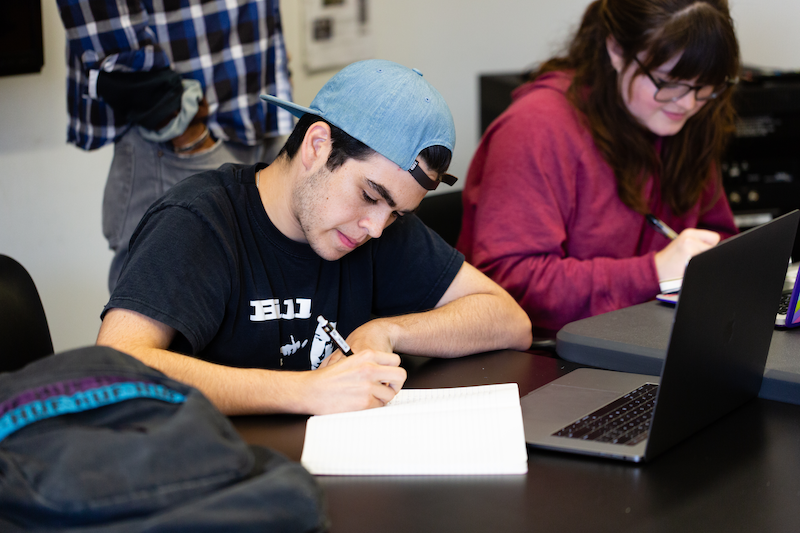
714,363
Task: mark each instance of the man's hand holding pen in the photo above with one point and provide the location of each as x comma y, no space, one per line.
365,380
369,372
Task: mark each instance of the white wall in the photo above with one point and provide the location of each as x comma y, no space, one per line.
50,192
50,196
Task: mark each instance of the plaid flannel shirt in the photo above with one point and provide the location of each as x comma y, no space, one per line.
235,49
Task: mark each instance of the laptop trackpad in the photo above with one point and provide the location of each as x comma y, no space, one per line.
563,403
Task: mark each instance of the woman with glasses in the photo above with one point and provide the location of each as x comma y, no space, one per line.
629,124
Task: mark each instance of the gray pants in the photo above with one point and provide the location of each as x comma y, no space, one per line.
142,171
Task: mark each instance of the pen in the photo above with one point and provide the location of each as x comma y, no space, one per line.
662,228
337,339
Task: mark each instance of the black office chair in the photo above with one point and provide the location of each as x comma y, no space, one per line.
442,213
24,334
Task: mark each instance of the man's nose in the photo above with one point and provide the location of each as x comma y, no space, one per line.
375,223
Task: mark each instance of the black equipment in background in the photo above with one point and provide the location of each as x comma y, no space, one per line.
21,46
761,168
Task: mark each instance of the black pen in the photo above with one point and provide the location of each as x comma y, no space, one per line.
337,339
660,227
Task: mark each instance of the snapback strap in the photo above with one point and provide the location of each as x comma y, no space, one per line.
427,183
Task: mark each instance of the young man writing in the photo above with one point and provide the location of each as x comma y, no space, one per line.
234,266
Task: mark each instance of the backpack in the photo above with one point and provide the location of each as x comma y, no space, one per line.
94,440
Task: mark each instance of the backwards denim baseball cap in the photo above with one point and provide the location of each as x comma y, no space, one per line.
389,107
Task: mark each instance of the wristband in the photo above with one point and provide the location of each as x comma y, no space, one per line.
194,144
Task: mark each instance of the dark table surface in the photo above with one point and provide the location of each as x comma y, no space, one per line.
740,474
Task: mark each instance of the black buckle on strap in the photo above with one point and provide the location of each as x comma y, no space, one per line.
427,183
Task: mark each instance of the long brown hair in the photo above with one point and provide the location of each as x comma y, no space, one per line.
702,30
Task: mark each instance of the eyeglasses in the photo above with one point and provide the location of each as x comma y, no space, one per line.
669,91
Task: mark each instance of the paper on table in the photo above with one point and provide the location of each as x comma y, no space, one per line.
454,431
670,285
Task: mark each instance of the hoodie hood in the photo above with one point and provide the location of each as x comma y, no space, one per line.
558,80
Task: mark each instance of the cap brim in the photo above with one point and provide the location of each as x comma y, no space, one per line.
291,107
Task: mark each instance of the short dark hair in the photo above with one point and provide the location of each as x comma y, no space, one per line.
345,146
437,158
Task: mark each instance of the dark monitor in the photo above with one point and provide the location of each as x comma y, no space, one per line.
761,167
21,47
495,94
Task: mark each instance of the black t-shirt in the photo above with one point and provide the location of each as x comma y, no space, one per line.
207,261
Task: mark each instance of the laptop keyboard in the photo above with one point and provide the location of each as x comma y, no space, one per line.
623,421
783,307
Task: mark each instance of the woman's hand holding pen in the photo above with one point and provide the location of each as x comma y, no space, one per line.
672,260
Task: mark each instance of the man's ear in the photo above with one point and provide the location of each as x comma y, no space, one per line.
316,146
616,53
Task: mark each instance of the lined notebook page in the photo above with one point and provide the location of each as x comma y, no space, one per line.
455,431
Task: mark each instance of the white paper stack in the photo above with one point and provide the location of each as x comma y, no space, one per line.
453,431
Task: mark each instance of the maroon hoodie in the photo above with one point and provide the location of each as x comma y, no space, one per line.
543,219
